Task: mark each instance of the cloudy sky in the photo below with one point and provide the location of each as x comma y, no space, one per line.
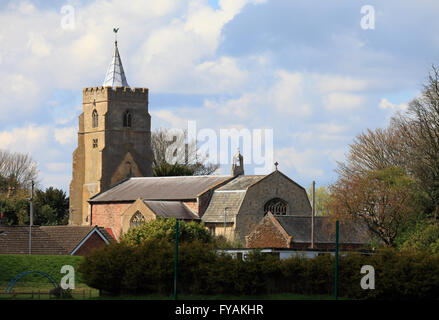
308,70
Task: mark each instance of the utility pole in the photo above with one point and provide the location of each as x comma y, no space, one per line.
225,210
31,216
313,213
336,262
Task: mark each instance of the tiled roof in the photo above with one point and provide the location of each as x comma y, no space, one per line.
241,183
45,239
171,209
299,227
159,188
220,201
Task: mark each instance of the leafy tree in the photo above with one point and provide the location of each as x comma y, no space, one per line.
165,229
166,169
382,199
322,199
51,207
424,237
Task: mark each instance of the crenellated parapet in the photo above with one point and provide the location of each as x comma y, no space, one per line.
118,93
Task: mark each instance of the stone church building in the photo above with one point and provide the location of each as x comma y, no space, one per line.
112,184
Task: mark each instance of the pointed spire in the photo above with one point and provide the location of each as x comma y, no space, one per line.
115,76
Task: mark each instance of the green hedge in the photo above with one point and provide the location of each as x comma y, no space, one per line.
13,265
148,269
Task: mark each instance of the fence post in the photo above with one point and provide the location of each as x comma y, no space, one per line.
38,294
176,260
336,262
83,294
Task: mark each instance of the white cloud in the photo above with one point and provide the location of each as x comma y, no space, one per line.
342,102
386,104
28,139
66,136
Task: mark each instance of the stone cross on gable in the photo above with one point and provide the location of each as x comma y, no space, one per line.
276,164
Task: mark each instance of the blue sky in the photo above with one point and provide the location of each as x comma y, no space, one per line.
306,69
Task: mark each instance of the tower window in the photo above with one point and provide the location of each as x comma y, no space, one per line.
94,119
276,206
127,119
95,143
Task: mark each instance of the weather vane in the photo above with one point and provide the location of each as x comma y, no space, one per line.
115,30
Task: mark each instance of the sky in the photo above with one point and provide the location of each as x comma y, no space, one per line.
315,73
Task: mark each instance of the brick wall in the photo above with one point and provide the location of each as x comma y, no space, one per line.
94,242
109,215
268,234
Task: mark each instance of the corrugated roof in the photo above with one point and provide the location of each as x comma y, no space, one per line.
171,209
159,188
299,227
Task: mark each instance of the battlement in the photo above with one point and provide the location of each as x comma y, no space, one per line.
115,93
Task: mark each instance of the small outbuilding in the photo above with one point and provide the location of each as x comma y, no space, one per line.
53,240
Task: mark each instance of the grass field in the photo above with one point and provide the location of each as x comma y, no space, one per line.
13,265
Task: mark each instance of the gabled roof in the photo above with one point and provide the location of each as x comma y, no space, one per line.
171,209
159,188
62,240
299,227
115,76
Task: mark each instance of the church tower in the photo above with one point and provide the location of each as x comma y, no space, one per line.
114,139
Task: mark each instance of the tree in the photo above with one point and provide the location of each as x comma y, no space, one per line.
172,154
424,237
17,170
165,229
322,198
419,130
51,207
382,199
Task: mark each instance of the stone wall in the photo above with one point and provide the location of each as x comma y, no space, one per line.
275,185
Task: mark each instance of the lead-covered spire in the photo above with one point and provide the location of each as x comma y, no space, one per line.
115,76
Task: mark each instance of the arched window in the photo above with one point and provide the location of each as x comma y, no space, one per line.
127,119
129,169
137,219
95,119
276,206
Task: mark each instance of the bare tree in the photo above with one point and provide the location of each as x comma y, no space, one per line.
17,170
173,148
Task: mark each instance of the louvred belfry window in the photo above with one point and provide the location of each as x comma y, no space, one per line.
95,119
127,119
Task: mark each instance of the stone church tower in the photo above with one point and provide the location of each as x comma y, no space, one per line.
114,139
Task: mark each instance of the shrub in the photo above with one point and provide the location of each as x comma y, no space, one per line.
148,269
159,229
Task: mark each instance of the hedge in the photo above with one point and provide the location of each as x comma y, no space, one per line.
148,269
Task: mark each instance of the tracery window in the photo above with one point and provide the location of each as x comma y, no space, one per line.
137,219
95,119
127,119
276,206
